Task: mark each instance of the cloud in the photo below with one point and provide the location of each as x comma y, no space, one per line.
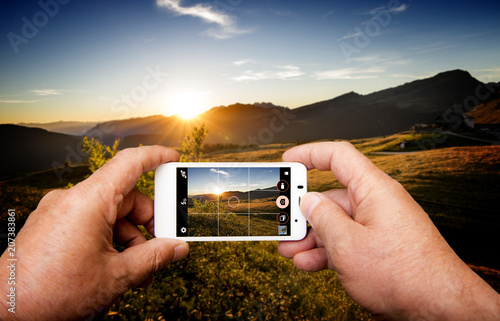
284,13
283,73
45,92
19,101
350,73
488,75
148,40
328,14
413,76
242,62
374,13
387,60
213,170
401,8
350,35
431,48
226,25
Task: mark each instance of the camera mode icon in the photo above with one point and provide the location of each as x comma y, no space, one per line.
282,218
282,202
282,186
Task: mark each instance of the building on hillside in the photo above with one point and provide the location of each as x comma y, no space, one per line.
468,121
456,122
460,123
404,144
423,128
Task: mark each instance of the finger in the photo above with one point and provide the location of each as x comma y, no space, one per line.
348,165
133,162
137,263
288,249
313,260
118,176
137,207
128,234
331,223
340,197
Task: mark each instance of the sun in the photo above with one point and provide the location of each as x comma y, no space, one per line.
188,105
216,190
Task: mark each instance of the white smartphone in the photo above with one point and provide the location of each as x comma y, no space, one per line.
230,201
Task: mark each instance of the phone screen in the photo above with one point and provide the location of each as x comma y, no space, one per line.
233,201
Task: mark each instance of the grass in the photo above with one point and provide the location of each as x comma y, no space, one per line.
457,186
232,225
238,281
418,142
23,193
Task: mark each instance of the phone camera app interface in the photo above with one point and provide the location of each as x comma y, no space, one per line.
233,201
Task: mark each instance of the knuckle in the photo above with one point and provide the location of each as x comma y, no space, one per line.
346,144
51,196
127,152
158,259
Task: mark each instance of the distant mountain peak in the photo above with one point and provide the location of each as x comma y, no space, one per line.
267,105
349,95
455,72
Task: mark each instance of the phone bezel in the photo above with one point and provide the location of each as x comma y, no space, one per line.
165,201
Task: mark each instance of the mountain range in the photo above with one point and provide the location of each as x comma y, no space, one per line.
348,116
255,194
75,128
30,149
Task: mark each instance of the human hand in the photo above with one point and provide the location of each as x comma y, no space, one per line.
67,268
388,254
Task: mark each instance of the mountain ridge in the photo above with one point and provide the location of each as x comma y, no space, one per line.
348,116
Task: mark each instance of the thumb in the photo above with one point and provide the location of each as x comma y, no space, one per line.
139,262
326,217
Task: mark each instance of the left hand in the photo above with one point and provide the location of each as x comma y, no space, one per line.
67,267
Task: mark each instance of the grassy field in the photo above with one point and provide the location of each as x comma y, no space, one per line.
232,225
458,186
204,218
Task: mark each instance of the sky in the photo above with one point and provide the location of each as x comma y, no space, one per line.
77,60
219,180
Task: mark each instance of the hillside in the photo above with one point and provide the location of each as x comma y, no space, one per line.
488,112
220,280
384,112
457,186
348,116
234,124
75,128
29,149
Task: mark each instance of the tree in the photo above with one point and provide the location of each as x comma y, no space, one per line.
191,145
99,154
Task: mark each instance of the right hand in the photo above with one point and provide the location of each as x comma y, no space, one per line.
388,254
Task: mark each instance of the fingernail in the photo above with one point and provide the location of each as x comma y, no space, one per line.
181,251
308,203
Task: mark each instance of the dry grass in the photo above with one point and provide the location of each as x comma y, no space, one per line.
457,186
450,161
